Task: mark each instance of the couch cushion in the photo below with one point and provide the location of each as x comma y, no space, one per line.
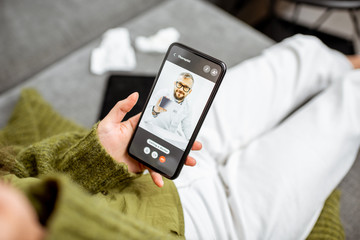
36,33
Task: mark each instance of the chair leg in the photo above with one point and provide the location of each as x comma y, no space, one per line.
272,9
296,13
322,19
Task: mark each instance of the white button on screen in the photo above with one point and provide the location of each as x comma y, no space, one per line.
154,154
206,68
146,150
214,72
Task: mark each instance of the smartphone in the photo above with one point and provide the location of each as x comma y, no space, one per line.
168,104
164,102
189,80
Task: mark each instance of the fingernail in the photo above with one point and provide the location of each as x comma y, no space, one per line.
133,94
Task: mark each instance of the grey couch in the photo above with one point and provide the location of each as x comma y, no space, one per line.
46,44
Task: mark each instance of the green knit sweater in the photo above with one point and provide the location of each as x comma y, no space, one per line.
80,192
77,189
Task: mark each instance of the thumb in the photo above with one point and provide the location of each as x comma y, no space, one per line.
118,112
157,178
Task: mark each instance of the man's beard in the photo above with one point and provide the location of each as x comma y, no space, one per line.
179,98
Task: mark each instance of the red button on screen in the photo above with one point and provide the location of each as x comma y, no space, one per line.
162,159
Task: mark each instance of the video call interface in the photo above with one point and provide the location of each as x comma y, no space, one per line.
174,109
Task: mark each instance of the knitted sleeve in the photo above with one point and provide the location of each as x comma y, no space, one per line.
99,198
79,155
70,213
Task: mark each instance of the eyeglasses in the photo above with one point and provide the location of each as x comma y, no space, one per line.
185,88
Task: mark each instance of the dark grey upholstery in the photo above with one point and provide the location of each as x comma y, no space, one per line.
350,202
37,33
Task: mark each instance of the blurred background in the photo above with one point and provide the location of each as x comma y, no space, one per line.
334,22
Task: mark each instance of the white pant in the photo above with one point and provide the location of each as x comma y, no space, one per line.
259,177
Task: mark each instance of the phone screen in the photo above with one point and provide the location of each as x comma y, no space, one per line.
177,105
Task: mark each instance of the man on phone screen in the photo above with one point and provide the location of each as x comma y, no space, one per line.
171,109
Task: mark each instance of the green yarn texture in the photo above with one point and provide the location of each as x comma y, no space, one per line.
328,225
77,189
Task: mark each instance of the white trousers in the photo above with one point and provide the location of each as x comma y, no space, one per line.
259,176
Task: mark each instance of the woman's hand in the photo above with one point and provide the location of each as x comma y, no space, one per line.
115,136
18,219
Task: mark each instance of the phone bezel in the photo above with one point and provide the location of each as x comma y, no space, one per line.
202,117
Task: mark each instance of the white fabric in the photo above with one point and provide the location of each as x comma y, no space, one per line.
115,53
159,42
259,177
